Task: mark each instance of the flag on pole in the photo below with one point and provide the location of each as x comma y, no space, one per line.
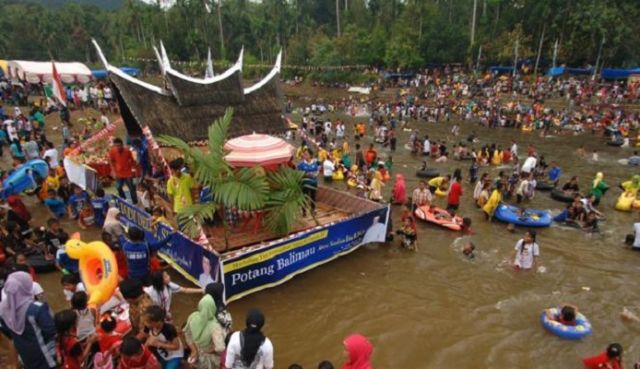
209,72
56,86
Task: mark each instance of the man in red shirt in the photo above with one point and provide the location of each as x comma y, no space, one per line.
455,191
123,165
371,155
611,359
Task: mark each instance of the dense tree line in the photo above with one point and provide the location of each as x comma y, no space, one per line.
382,33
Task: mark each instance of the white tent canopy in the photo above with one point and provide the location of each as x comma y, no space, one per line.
35,72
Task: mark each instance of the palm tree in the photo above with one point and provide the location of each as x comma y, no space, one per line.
278,193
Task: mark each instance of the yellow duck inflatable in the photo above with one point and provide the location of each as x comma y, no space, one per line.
98,268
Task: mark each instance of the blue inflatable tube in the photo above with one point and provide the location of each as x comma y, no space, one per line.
522,217
24,177
567,332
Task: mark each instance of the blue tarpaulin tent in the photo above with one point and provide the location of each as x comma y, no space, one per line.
608,73
102,73
558,71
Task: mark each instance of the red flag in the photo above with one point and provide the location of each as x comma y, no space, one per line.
56,86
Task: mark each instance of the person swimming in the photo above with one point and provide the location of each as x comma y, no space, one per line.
567,315
468,250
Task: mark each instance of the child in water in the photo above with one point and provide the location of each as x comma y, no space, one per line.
408,231
567,315
468,249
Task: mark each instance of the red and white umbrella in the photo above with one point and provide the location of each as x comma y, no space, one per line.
258,149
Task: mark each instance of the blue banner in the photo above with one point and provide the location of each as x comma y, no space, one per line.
192,260
278,262
245,272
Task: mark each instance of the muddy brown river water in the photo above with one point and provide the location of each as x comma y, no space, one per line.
436,309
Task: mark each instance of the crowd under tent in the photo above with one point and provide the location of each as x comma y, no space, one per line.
41,72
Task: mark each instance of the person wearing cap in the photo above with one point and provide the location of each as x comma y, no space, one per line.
249,348
610,359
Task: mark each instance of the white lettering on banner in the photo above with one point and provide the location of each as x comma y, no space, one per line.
293,257
252,274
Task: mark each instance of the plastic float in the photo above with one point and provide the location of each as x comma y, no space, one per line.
439,216
567,332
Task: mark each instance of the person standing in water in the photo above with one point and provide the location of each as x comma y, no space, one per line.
358,350
526,252
249,348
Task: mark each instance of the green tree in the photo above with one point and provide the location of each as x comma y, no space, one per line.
278,193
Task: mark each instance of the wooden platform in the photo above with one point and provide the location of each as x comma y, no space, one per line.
247,233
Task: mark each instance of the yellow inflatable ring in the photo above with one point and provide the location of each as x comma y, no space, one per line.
98,268
441,193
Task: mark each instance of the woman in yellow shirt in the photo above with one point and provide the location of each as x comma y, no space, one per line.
497,158
439,183
494,200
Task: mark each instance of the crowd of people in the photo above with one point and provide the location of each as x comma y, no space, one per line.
137,329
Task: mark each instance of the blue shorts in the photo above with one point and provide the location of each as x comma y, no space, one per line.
171,363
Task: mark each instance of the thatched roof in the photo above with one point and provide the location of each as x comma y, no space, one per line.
190,105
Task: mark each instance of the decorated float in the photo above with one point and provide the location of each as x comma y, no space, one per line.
245,258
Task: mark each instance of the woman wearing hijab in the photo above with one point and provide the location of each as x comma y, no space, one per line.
28,323
216,291
358,350
399,192
205,336
112,224
599,188
250,348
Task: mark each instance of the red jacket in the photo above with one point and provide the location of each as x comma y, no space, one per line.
122,162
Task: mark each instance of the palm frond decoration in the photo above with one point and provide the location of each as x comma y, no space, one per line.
278,193
191,217
286,200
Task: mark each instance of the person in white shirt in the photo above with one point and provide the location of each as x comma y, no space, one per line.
636,231
107,93
104,120
253,350
514,148
327,169
12,132
340,130
527,252
162,290
52,154
529,164
426,146
327,127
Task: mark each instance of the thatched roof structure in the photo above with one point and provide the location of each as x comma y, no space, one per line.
187,106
